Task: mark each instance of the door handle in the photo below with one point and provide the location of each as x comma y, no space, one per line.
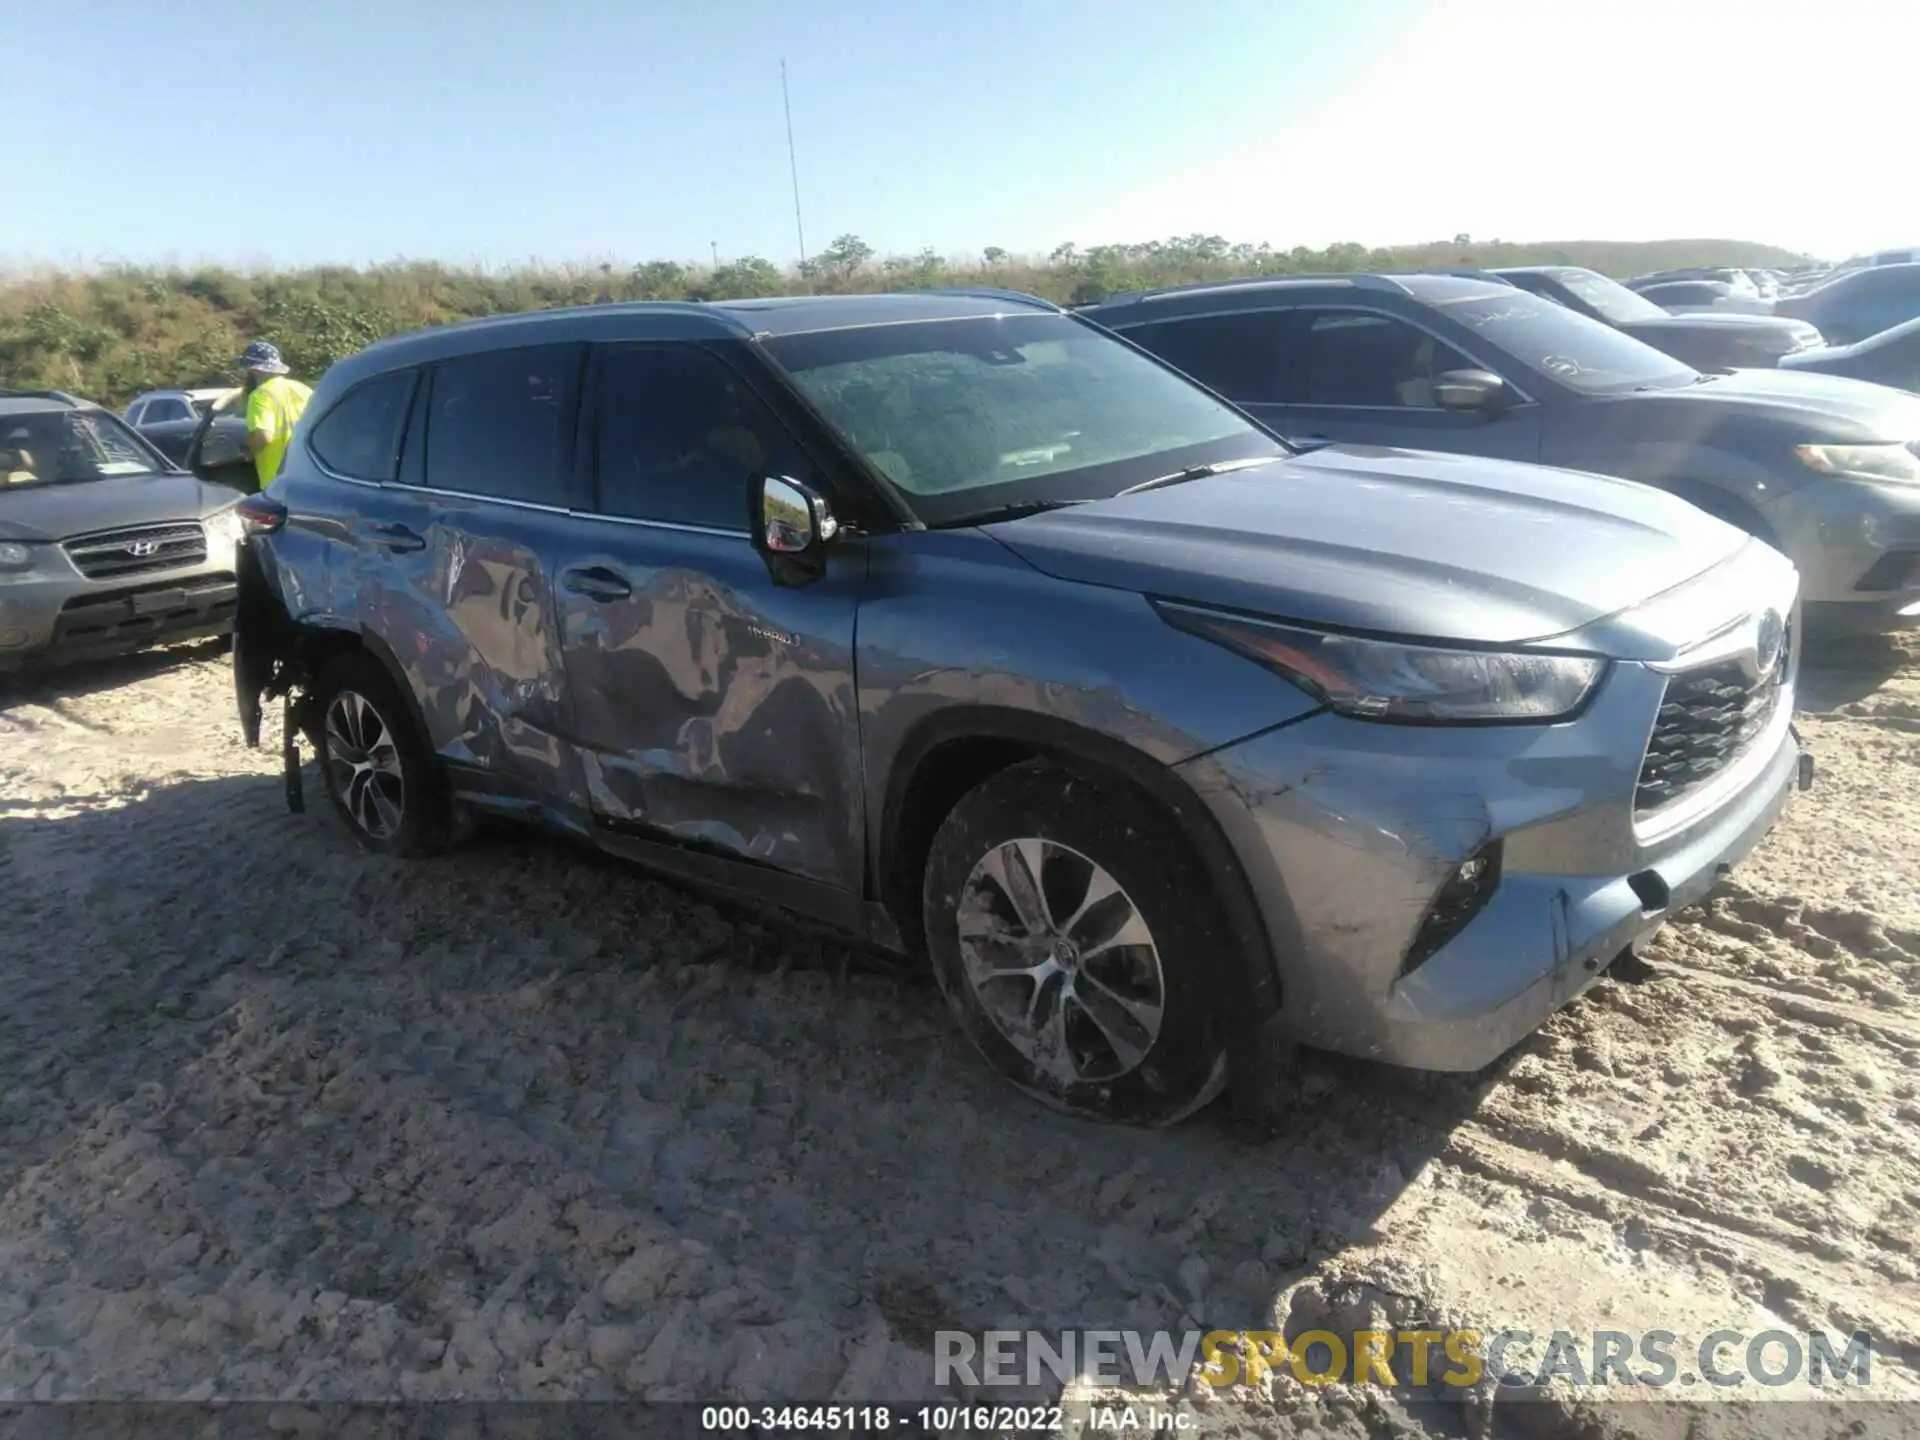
1311,442
395,537
596,582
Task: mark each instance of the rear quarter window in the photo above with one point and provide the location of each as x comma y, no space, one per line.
360,436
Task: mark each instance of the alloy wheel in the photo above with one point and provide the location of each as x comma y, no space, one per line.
365,763
1061,961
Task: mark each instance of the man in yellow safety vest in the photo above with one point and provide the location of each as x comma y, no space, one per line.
274,403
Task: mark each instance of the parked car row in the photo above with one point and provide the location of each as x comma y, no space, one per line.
1858,305
974,626
1707,341
1847,305
1476,366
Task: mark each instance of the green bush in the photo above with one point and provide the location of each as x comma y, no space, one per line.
109,334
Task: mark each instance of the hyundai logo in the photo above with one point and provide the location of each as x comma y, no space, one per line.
142,547
1769,637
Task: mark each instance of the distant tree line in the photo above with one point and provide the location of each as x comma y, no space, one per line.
111,333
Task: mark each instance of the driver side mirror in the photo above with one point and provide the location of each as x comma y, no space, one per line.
792,527
1469,390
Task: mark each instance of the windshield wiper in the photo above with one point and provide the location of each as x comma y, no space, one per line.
1018,509
1200,472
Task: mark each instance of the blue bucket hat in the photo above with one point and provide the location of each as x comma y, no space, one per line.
263,358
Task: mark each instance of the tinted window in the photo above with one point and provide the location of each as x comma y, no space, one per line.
1238,355
1355,358
1576,350
966,415
498,423
678,436
1608,299
160,411
360,436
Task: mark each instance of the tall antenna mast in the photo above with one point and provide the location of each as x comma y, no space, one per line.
793,165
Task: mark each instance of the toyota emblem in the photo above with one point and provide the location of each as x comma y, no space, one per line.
142,547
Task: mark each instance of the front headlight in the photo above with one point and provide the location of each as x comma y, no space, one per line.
1392,680
224,527
15,558
1887,462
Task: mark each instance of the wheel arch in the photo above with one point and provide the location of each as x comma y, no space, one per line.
318,640
948,753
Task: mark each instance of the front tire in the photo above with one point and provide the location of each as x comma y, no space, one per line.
1067,926
380,774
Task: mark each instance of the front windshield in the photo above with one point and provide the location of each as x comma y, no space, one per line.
966,416
64,447
1576,351
1608,298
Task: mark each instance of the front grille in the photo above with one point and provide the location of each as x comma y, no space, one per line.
1708,719
144,550
144,610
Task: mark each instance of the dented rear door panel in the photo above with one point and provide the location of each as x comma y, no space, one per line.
471,617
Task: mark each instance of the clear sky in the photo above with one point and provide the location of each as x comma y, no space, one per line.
502,131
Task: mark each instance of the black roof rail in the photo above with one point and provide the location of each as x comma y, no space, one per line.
62,396
1359,279
1464,272
989,292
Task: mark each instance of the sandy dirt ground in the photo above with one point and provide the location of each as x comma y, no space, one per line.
282,1119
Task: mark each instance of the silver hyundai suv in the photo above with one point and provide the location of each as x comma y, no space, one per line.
105,546
955,620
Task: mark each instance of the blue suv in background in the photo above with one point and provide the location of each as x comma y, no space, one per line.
955,621
1824,468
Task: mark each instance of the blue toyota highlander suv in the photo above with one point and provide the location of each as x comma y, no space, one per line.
956,621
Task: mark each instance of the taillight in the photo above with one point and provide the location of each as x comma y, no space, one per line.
260,515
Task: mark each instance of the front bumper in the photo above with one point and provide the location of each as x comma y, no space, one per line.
1348,830
62,620
1836,532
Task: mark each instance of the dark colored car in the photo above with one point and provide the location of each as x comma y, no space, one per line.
1690,297
1740,282
1822,467
952,619
105,546
1713,341
1858,304
1890,358
170,419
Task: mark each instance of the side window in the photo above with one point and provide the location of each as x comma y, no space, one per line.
1240,356
498,423
137,415
360,436
678,436
1358,358
160,411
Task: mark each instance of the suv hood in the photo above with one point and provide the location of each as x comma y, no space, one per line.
1790,332
1815,407
1401,542
59,512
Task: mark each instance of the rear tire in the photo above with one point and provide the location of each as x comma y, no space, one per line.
1067,925
380,774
